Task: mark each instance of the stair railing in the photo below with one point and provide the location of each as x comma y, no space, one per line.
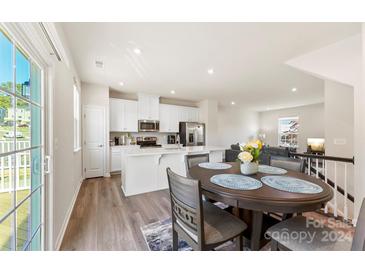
318,166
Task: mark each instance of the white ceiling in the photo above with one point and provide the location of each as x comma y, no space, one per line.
248,59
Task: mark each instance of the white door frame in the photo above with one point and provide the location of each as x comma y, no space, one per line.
84,107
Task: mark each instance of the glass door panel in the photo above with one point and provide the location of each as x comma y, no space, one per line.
22,74
6,233
35,244
6,185
22,120
23,232
21,148
6,57
36,168
35,83
22,176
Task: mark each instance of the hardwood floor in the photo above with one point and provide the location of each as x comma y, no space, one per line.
104,219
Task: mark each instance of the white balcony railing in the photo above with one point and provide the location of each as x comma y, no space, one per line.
17,165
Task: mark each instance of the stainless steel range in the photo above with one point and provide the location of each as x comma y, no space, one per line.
147,142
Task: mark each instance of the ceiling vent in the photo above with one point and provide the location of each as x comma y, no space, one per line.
99,64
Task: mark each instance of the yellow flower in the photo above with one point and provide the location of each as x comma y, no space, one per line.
245,157
259,143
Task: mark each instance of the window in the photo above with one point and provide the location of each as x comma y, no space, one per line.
77,136
288,132
21,180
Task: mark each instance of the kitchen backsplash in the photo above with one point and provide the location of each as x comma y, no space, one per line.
161,137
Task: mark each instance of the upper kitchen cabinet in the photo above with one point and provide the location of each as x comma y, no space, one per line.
115,115
171,115
123,115
169,118
188,114
148,107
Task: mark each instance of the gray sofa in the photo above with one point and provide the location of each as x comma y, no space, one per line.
267,153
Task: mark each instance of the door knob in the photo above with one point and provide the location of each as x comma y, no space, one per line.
100,145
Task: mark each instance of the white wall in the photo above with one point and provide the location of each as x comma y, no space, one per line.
311,123
344,62
339,119
339,134
208,114
67,164
359,125
236,124
98,95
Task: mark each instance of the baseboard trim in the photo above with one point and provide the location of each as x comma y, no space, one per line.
67,218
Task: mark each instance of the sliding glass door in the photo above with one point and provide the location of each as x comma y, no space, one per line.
21,148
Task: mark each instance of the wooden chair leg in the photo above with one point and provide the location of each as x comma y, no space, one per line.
274,245
175,240
239,243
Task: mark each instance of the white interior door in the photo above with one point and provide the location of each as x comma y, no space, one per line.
94,141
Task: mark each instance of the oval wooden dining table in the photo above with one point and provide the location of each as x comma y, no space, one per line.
263,199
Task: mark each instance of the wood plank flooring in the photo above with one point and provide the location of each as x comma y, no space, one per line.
104,219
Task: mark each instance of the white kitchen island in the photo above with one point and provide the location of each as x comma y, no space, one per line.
144,169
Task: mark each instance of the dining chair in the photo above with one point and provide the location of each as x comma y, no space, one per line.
194,160
288,164
322,235
201,224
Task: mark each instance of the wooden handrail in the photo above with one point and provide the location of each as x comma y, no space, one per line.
324,157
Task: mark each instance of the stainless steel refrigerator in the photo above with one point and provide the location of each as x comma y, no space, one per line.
192,134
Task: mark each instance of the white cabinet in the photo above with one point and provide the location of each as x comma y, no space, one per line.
148,107
123,115
171,115
116,112
116,156
193,114
115,159
169,118
130,115
188,114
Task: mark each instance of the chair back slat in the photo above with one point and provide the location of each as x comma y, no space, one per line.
186,201
194,160
358,243
288,164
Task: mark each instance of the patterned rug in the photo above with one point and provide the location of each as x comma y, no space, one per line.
158,237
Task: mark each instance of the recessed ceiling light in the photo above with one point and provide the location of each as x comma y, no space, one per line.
233,103
172,91
121,83
137,51
211,71
294,89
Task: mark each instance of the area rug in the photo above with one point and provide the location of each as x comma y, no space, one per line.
158,236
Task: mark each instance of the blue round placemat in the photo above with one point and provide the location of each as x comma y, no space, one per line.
215,165
235,181
272,170
291,184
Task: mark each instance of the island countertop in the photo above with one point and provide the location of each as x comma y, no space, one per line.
182,150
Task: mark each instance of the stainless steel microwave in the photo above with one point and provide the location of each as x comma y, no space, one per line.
148,125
